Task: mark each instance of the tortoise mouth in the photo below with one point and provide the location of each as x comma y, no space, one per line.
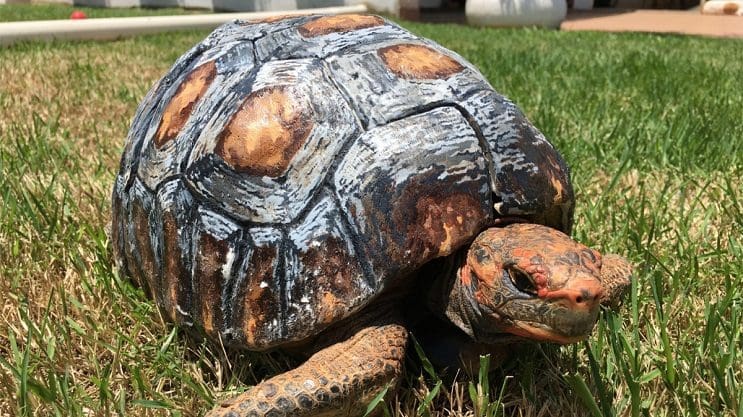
557,325
543,333
561,326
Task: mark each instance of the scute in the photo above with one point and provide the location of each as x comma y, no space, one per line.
181,105
530,177
263,137
141,237
184,109
211,269
414,190
258,314
307,126
313,38
383,91
286,172
325,276
176,206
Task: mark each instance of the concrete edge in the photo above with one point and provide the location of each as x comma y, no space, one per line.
120,27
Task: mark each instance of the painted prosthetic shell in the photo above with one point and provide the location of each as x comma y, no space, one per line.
284,173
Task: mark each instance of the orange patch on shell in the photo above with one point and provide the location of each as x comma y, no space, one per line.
446,222
418,62
556,179
445,246
266,132
557,185
339,24
250,329
730,8
184,101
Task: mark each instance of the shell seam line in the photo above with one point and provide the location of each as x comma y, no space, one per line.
357,114
166,82
245,247
211,204
235,242
249,80
163,183
193,250
356,244
280,274
484,146
326,181
254,49
425,108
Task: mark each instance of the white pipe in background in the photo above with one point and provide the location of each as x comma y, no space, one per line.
120,27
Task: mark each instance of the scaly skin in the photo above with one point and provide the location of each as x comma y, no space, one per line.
339,380
616,273
523,281
532,282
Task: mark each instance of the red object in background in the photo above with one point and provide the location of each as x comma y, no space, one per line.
78,14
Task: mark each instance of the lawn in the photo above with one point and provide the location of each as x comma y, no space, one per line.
19,12
651,126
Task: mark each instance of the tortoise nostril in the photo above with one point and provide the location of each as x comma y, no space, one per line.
582,295
587,296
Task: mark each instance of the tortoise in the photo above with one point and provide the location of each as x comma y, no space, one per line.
328,184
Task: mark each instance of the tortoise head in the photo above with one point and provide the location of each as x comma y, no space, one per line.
534,282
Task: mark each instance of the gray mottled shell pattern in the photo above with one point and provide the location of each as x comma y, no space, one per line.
285,172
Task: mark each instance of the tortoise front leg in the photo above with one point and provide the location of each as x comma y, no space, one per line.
339,380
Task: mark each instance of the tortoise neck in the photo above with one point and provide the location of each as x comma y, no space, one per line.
451,298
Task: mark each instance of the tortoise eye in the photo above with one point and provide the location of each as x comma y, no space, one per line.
522,281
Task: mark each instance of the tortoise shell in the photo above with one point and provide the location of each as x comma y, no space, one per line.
285,172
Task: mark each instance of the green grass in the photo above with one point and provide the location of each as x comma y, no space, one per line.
20,12
651,126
